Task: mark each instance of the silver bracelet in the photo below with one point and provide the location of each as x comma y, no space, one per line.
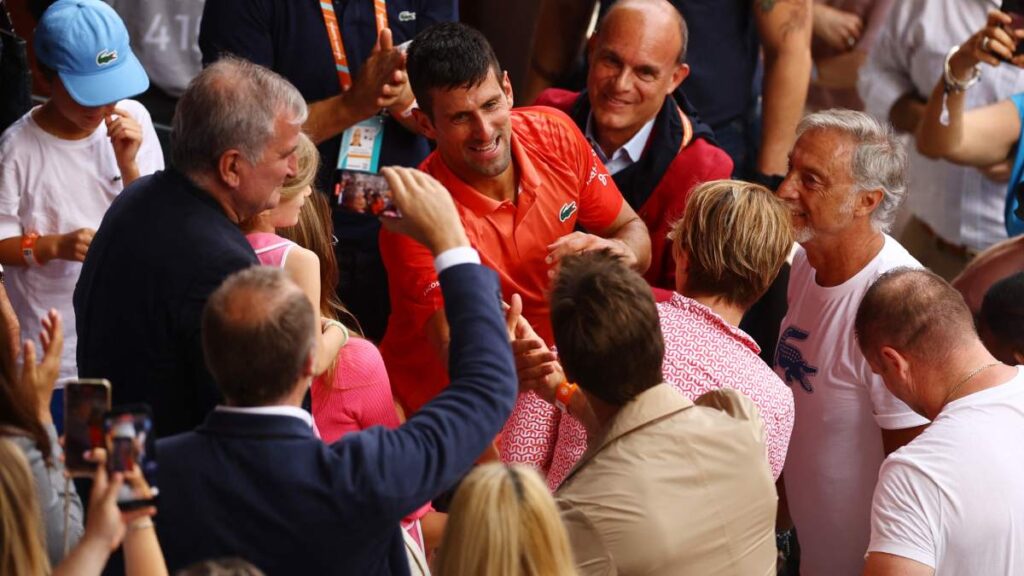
953,84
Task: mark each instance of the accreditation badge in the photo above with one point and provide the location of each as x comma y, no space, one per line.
361,145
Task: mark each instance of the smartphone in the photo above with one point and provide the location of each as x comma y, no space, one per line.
131,448
1015,10
85,403
365,193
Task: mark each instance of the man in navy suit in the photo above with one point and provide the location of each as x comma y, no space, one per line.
253,481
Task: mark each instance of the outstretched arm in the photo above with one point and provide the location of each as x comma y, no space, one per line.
438,444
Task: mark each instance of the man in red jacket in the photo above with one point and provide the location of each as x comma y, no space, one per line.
653,150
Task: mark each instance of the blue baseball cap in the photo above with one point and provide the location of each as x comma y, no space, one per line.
86,43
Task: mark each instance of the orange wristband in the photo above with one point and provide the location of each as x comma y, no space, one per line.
563,395
28,246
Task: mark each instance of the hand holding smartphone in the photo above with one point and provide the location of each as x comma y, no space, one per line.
131,450
85,403
365,193
1015,10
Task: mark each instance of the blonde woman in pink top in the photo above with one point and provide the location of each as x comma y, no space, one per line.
302,265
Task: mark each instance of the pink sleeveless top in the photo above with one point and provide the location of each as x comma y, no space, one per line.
271,249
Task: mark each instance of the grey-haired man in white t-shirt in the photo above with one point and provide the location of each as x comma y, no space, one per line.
846,179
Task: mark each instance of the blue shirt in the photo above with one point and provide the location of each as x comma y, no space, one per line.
1014,225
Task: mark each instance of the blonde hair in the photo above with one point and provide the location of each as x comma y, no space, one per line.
504,522
736,236
21,531
308,164
314,232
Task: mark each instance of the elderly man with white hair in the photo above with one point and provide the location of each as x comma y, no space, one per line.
846,179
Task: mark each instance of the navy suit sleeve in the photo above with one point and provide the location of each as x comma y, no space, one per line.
396,471
239,27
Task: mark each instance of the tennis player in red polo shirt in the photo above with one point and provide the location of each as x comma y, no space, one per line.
525,182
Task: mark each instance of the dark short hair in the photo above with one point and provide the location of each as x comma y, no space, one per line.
606,327
1002,312
914,311
448,56
258,331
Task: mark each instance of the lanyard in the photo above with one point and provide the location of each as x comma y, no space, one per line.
334,35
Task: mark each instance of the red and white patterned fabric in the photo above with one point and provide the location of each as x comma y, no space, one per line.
541,436
704,352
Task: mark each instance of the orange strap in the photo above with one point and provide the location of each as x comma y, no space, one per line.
337,44
687,129
563,395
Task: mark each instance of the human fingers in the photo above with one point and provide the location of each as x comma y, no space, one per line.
512,315
28,367
521,347
98,456
385,40
123,113
568,244
53,343
998,18
998,42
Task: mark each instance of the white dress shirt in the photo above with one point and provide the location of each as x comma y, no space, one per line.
627,154
958,203
293,411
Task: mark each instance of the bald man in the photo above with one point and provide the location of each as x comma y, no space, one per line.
950,501
654,152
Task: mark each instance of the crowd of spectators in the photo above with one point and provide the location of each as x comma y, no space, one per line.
735,289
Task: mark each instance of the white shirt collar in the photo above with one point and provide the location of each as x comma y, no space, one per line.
628,153
293,411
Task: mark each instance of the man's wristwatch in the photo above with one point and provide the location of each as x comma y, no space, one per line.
954,85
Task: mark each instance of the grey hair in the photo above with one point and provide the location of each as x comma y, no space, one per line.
232,104
879,161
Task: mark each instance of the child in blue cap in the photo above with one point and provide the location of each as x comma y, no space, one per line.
64,162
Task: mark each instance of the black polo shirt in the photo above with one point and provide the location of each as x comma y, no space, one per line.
163,247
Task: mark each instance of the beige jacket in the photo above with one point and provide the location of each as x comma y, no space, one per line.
674,489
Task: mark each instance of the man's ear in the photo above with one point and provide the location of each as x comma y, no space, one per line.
681,72
895,362
506,87
424,124
867,202
591,46
228,168
310,362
